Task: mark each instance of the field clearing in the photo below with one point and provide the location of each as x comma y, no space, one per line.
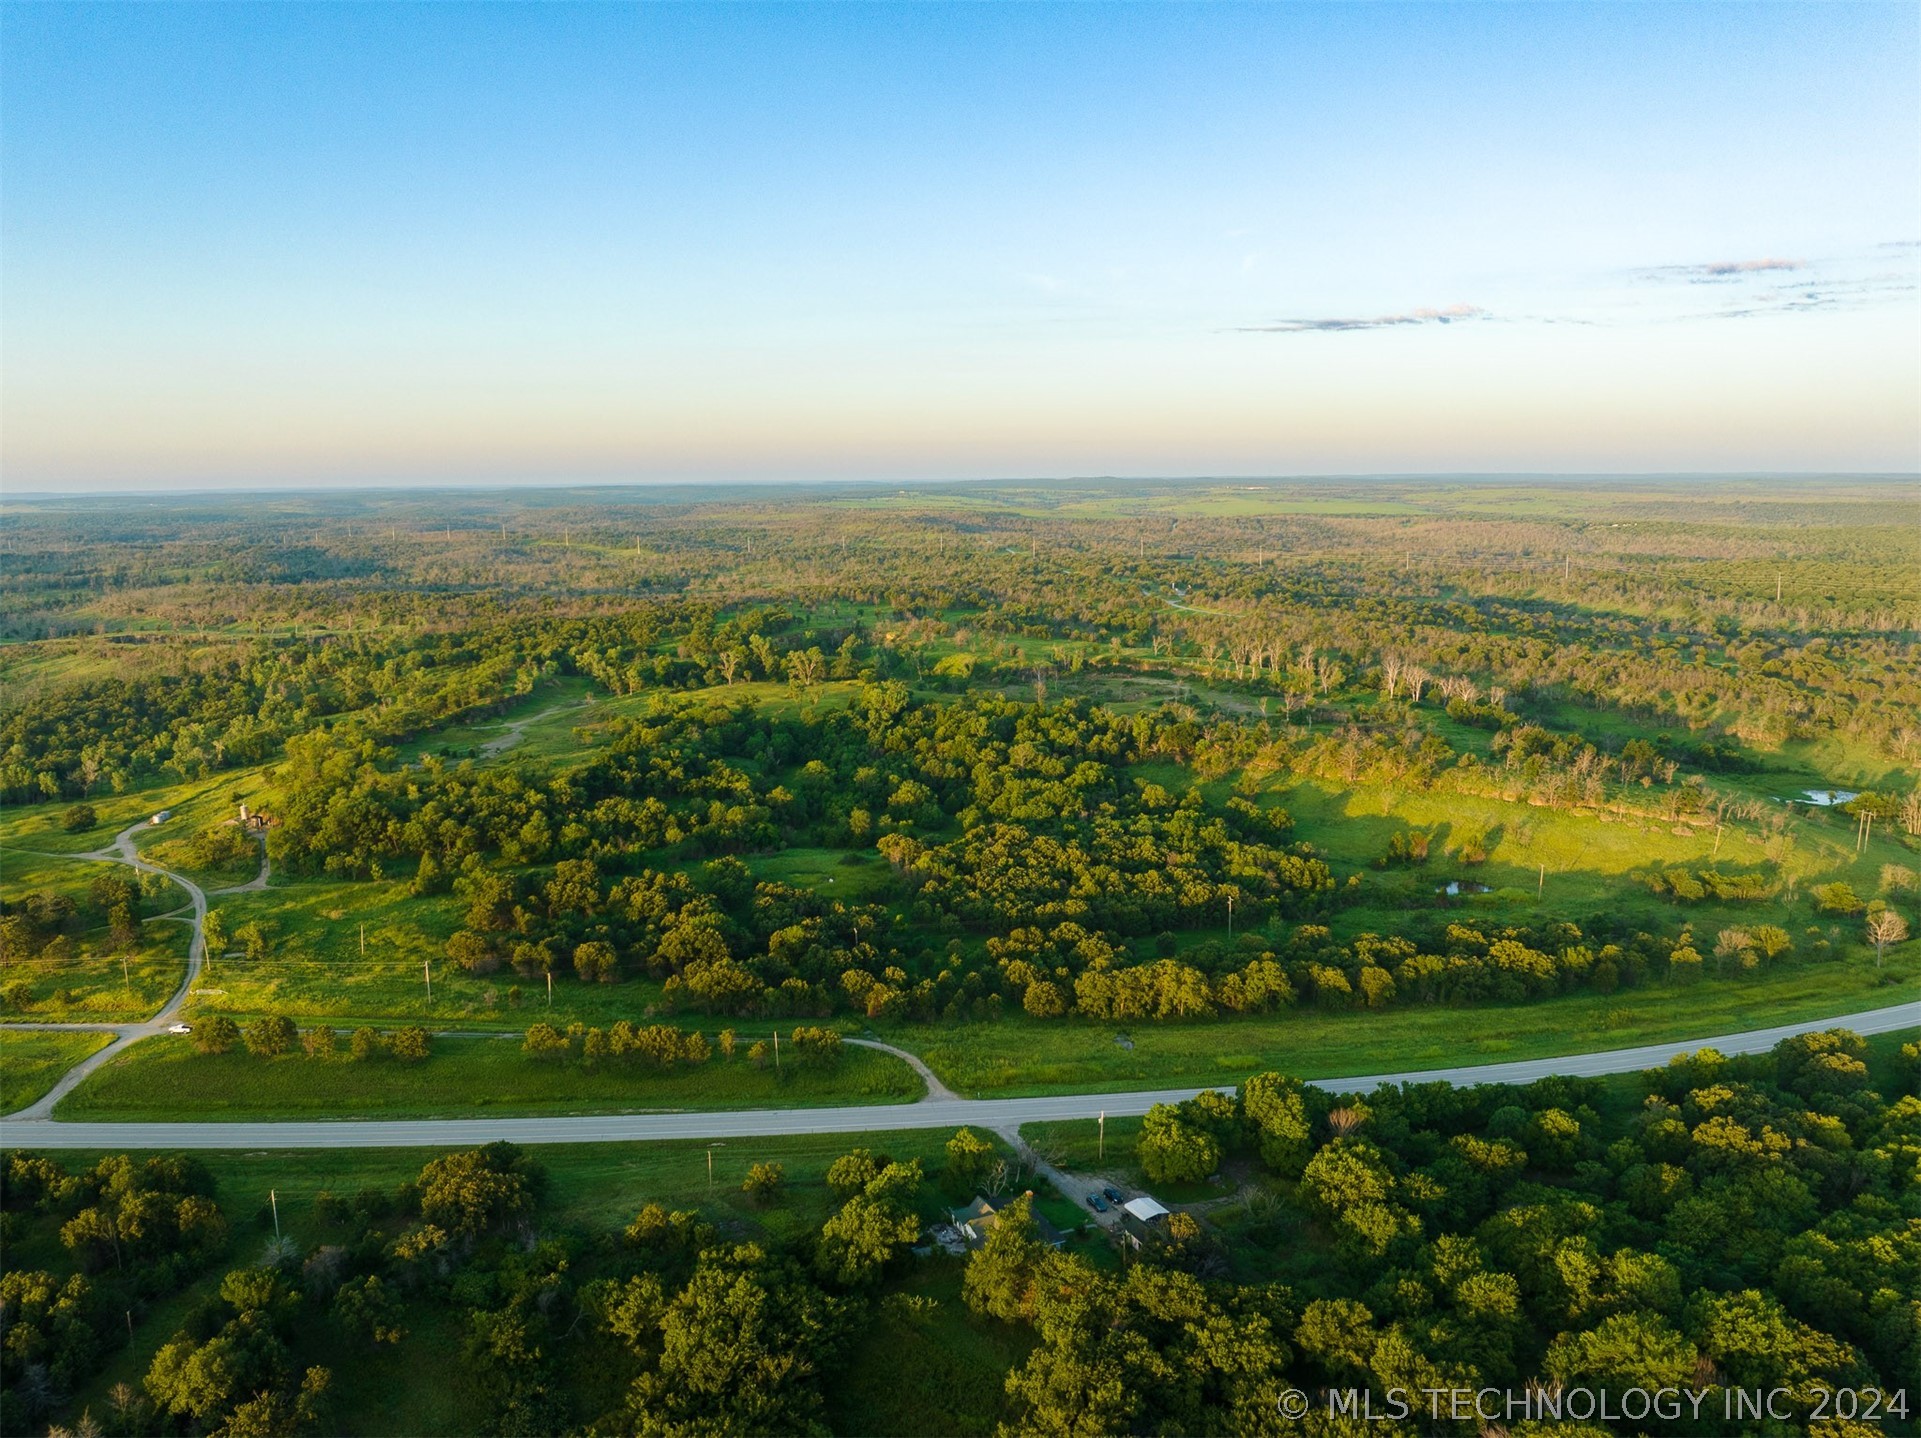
538,725
176,855
1017,1056
31,1062
202,806
1590,860
827,871
167,1078
942,1377
315,967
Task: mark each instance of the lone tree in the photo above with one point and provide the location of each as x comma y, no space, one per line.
1885,927
270,1035
213,933
764,1181
216,1035
969,1157
410,1045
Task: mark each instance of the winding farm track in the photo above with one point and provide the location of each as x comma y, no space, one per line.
35,1126
122,851
517,728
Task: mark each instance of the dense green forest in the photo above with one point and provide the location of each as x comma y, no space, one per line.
687,800
1122,755
1070,724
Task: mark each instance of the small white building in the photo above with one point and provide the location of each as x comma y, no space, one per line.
1140,1218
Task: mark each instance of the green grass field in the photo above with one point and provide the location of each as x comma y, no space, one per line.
167,1078
41,827
1016,1056
31,1062
1007,1058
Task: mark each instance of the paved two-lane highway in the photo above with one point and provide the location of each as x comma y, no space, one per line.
1003,1116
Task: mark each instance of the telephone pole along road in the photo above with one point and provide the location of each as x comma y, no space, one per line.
1004,1116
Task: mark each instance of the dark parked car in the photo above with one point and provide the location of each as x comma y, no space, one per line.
1097,1203
1112,1195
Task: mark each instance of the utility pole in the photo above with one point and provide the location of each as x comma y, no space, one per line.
776,1050
1540,884
710,1166
1103,1135
550,988
274,1198
363,941
427,974
1230,913
1717,843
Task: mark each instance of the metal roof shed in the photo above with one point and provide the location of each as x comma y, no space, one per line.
1145,1209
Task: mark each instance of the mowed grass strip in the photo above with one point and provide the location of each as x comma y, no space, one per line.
168,1079
1017,1056
32,1062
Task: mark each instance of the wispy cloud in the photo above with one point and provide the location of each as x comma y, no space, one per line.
1846,293
1693,292
1750,267
1775,286
1449,315
1717,271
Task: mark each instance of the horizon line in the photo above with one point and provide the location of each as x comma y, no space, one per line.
265,487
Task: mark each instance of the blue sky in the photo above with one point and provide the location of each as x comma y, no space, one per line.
266,244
